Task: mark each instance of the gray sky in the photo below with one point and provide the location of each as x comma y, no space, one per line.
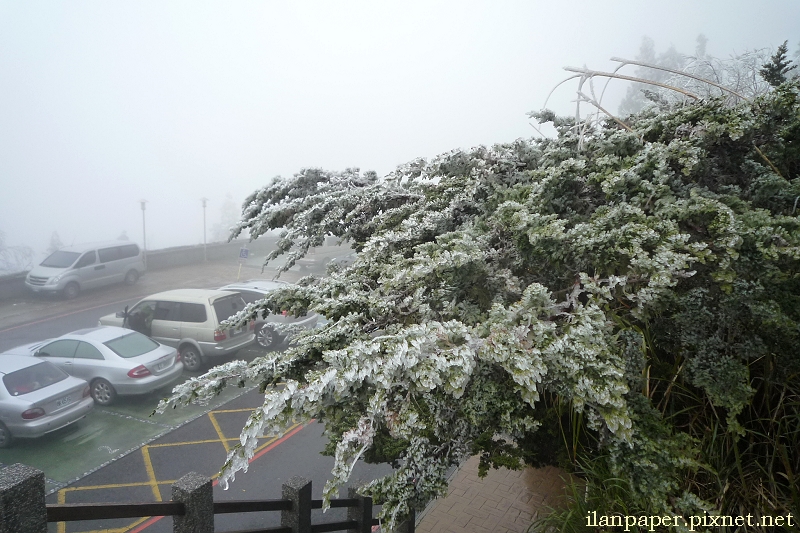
106,103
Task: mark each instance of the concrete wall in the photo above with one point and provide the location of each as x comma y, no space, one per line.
13,286
187,255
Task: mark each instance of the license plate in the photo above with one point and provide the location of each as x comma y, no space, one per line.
161,366
66,400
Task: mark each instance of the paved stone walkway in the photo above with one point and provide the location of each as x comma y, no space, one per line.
505,501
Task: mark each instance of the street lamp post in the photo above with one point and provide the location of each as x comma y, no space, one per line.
144,235
205,255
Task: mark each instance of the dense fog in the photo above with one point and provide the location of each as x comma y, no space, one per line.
103,105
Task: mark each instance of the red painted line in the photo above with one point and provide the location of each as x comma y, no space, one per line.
147,524
67,314
155,519
285,437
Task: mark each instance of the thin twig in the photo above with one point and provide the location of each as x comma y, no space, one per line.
556,87
537,130
773,167
598,106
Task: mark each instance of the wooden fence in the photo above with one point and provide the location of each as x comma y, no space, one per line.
23,508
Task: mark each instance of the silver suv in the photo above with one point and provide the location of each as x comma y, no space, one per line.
189,320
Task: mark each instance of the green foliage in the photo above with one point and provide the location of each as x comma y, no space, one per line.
628,309
776,70
604,494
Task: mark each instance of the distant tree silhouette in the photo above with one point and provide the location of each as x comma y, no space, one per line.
229,217
14,258
55,243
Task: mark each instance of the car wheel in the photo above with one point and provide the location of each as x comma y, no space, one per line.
71,290
192,360
103,392
131,277
5,437
267,337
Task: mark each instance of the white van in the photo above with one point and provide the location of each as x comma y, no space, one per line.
74,268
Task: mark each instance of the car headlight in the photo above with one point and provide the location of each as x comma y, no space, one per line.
55,279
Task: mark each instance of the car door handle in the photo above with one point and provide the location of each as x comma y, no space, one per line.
67,363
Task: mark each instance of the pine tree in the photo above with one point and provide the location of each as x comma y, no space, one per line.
775,71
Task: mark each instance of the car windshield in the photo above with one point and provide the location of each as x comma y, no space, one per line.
33,378
131,345
228,306
60,259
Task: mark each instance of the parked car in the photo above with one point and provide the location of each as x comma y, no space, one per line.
75,268
115,361
36,397
189,320
343,261
266,334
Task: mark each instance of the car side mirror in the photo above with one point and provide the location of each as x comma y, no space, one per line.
120,314
41,354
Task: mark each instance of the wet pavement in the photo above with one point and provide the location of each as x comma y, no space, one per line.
144,467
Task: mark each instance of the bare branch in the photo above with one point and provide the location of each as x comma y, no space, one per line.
673,71
592,73
598,106
556,87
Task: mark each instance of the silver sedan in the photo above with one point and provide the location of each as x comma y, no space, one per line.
37,398
113,360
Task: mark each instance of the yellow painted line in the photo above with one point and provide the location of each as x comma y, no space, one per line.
219,431
61,527
152,481
233,410
112,486
122,529
151,474
62,492
188,442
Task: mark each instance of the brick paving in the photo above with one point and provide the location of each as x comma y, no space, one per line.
505,501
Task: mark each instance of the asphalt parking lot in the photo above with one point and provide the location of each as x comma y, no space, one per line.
108,433
200,446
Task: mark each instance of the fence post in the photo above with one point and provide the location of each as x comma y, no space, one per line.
361,514
298,491
22,505
197,495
